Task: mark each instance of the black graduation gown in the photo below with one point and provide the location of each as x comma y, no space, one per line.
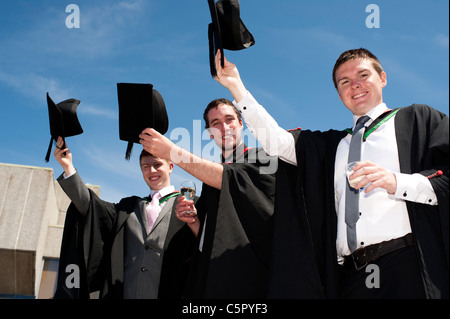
95,243
305,217
234,262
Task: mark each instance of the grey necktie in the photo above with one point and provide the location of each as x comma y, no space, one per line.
351,194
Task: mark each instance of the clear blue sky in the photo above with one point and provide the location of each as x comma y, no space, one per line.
165,43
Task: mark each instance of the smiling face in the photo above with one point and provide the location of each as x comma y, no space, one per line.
225,128
156,172
360,86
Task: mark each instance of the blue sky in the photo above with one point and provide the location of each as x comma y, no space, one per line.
165,43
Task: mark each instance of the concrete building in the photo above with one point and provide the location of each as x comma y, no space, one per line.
32,213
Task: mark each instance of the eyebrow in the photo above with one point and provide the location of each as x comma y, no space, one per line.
213,121
227,116
359,72
152,163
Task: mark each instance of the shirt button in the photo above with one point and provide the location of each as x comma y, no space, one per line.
362,243
405,194
144,269
244,107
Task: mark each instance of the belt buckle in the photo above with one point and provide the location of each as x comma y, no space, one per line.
355,263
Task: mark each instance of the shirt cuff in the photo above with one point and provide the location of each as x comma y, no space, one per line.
65,176
241,106
415,188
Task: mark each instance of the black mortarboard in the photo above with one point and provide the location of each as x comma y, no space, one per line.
63,121
140,107
227,31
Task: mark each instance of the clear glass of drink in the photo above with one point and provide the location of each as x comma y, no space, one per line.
188,189
349,170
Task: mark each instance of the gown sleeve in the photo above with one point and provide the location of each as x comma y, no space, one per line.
86,245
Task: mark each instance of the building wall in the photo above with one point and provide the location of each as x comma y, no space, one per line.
32,213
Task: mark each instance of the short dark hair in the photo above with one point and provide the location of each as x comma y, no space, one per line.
214,104
353,54
144,153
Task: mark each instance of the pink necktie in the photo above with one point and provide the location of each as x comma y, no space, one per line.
152,210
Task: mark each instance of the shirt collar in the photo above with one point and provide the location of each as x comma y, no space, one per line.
165,191
373,114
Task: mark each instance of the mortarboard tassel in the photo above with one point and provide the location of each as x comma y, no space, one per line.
211,50
47,157
129,148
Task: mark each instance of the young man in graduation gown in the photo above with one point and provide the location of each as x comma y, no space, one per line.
403,225
235,208
119,249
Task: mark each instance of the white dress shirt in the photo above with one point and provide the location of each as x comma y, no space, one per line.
165,191
383,216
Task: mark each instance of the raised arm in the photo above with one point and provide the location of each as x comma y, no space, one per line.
64,157
70,181
275,140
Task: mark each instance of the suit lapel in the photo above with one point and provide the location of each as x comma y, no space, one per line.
174,224
165,213
142,214
123,215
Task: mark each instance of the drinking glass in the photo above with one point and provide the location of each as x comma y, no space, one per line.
187,189
349,171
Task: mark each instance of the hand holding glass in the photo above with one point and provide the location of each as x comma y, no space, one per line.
349,170
187,190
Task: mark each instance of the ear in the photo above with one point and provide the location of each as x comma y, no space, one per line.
170,167
210,135
383,79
